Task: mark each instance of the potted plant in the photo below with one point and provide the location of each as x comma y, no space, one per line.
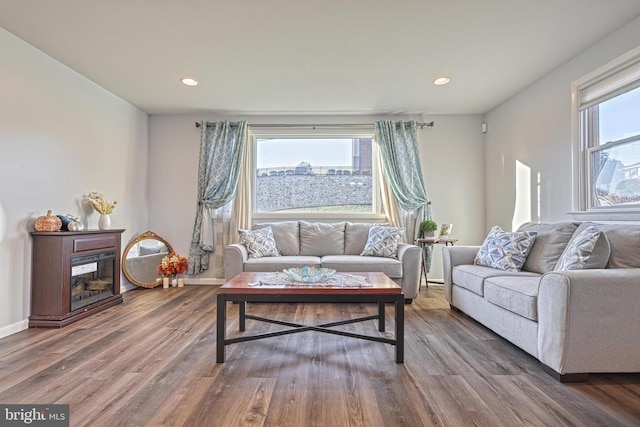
428,228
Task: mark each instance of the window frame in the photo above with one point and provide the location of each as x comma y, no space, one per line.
584,144
316,133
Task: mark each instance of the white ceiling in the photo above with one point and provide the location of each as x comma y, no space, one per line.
314,57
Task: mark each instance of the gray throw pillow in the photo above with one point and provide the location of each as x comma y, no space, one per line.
505,251
355,237
382,241
577,252
551,241
321,238
259,243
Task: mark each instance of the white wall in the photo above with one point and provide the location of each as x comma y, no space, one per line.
451,154
61,136
534,128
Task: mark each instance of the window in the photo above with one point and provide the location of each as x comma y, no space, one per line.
607,147
317,176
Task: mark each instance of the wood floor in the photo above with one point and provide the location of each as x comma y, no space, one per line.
151,362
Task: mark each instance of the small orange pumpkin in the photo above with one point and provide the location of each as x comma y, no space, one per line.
48,222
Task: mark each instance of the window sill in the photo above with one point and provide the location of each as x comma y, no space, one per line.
632,214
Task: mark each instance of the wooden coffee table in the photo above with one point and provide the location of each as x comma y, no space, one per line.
241,289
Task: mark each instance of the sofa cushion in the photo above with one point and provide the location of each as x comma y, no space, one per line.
579,250
505,251
516,294
280,263
551,241
382,241
320,238
355,263
259,243
624,242
472,277
151,250
286,234
355,237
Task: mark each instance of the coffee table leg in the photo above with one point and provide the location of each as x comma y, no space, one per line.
381,316
400,329
221,328
242,313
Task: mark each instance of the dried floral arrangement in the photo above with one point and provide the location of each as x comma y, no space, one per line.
100,203
173,264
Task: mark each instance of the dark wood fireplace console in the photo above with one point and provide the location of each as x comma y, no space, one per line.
73,274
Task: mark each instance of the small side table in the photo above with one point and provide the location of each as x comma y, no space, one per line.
423,242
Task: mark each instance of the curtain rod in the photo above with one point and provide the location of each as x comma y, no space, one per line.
323,125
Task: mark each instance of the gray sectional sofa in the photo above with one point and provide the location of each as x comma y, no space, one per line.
331,245
575,322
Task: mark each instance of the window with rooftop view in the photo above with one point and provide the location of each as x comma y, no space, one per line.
319,175
608,111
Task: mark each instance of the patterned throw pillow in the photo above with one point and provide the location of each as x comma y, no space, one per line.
505,251
578,252
260,243
382,241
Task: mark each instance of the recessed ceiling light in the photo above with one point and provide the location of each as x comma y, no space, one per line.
189,82
441,81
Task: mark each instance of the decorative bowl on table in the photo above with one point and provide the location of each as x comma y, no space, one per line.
309,274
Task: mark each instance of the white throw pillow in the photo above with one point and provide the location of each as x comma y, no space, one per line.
505,251
260,243
579,250
382,241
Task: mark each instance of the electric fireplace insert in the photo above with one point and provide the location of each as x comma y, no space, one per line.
92,278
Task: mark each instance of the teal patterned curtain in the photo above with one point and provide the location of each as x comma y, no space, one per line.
221,147
398,143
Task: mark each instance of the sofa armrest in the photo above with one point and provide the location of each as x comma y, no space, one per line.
588,321
452,256
411,257
235,255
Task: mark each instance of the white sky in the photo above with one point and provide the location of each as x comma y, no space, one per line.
620,116
290,152
619,119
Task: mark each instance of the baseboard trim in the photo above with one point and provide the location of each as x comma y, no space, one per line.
124,287
14,328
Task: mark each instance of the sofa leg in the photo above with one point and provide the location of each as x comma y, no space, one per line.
566,378
408,300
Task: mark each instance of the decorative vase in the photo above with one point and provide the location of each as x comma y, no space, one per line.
104,222
165,282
